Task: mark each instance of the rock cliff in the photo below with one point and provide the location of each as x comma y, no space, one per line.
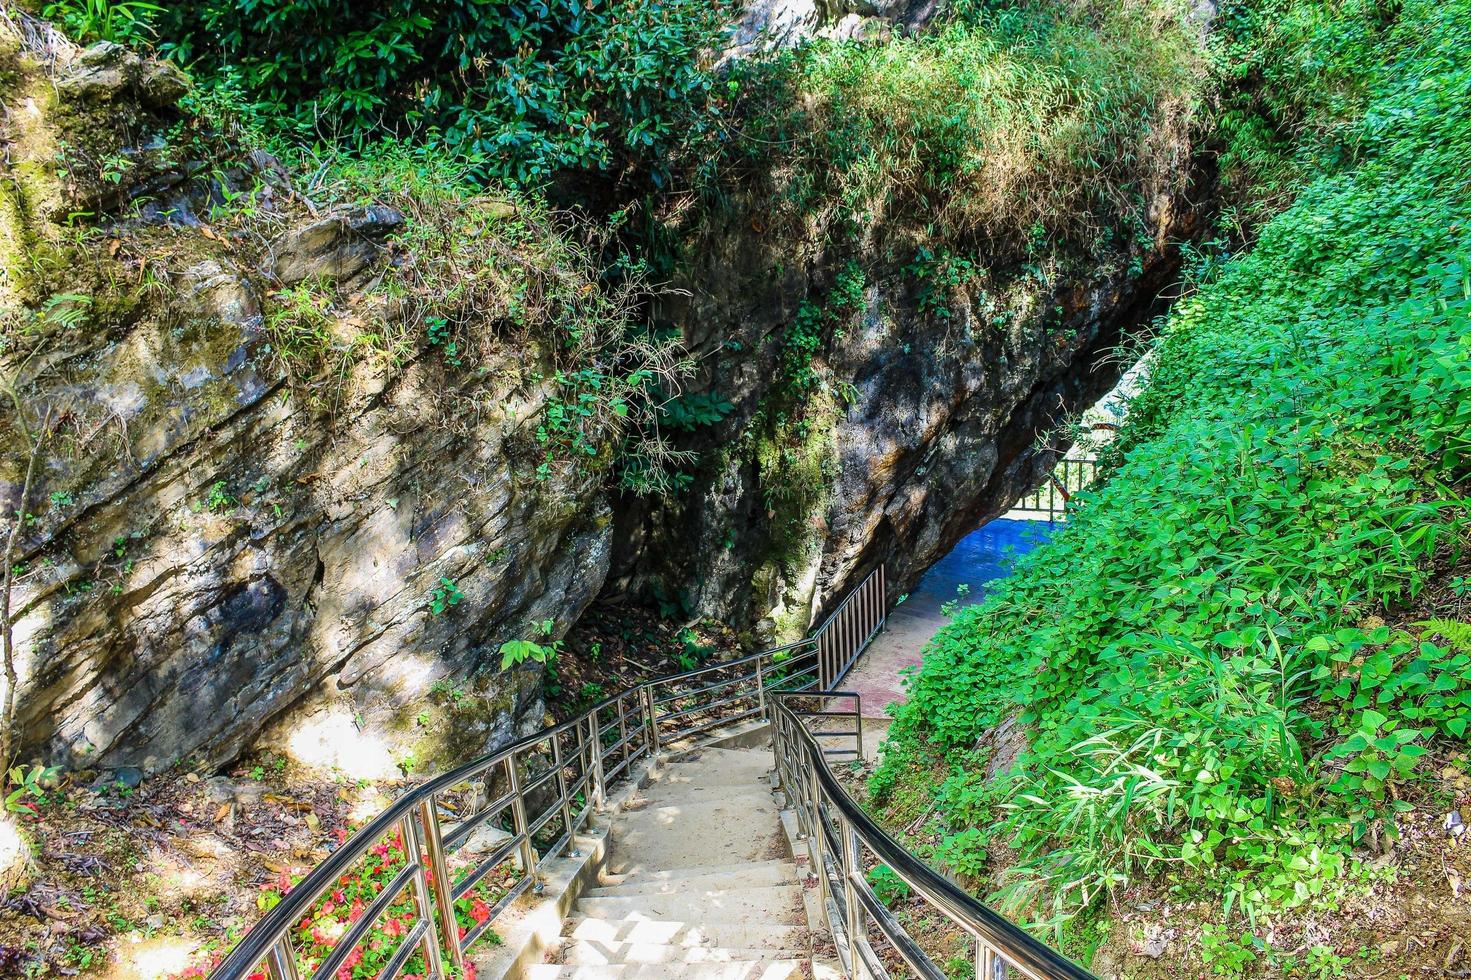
289,478
945,405
210,551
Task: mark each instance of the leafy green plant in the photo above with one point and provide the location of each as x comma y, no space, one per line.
887,886
444,595
1227,954
1209,703
1376,751
1455,632
219,500
67,310
120,21
814,325
690,411
521,93
27,782
938,275
519,651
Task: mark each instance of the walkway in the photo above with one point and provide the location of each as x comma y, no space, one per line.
697,884
981,556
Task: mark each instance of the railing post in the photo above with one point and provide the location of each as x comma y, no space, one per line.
623,727
519,821
600,788
761,689
986,962
817,840
562,795
440,881
814,788
281,961
848,840
652,720
433,958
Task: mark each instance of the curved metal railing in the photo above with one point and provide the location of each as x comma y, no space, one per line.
479,833
843,841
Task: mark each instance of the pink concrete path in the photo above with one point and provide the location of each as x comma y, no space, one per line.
876,676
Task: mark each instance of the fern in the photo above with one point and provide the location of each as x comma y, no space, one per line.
1454,632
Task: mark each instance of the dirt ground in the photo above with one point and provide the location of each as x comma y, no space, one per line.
141,879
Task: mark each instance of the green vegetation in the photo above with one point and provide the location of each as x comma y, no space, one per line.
1295,79
520,91
1218,662
1006,117
444,595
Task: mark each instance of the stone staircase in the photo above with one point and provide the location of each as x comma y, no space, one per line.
697,883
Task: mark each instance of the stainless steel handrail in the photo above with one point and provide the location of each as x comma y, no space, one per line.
554,778
840,836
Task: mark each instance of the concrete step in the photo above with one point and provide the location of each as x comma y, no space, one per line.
601,954
756,796
661,838
681,933
757,874
710,753
779,904
735,769
766,970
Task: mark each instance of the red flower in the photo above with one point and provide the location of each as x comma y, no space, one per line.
479,911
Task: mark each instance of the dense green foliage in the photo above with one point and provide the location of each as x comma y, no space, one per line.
521,89
1218,660
1005,119
1295,78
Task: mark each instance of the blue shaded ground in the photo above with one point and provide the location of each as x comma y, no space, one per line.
982,556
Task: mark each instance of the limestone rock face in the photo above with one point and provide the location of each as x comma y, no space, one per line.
336,245
939,424
229,555
212,556
767,24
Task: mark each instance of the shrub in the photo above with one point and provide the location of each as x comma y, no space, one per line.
1195,655
1003,118
523,91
